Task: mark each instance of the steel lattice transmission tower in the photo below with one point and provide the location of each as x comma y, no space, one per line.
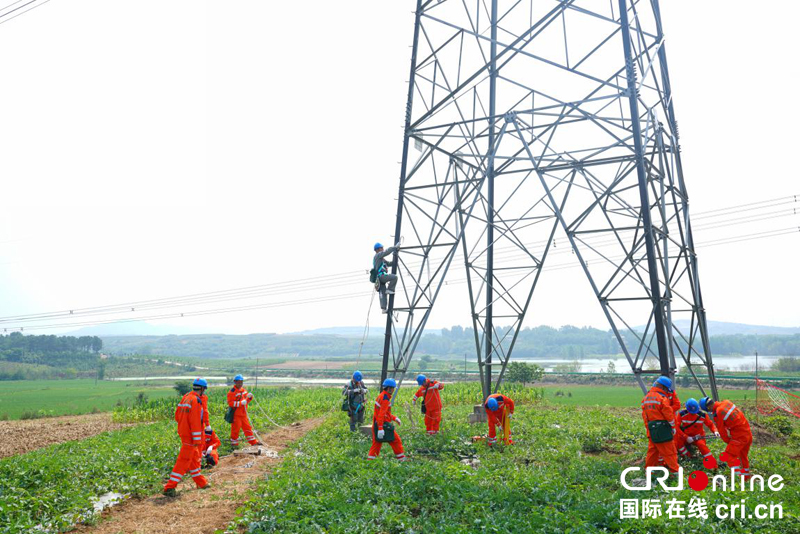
525,118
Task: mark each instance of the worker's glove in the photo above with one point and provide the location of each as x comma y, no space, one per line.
397,421
716,434
690,440
439,386
673,432
509,415
414,401
397,245
249,396
208,451
380,434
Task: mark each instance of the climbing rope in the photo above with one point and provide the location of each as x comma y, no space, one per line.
268,418
366,328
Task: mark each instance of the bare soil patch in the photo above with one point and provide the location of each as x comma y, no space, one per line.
25,436
200,511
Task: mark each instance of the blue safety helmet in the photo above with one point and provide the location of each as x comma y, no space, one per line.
421,379
237,378
200,382
692,406
357,376
705,402
377,246
664,381
390,383
492,404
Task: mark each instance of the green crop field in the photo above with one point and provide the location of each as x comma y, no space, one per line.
67,397
573,395
561,475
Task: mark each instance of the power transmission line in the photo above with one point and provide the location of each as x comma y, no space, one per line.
556,267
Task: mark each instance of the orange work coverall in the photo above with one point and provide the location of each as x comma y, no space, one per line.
433,404
657,406
189,414
383,414
734,429
691,425
237,399
211,446
498,418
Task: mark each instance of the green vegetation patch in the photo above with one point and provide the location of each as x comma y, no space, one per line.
561,475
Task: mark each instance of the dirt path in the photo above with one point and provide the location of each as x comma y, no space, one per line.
200,511
24,436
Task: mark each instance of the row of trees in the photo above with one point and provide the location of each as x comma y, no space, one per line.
541,342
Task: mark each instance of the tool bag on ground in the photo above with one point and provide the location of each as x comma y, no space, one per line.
424,408
229,415
388,433
660,431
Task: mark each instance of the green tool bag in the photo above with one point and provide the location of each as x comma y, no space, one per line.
660,431
388,433
373,275
346,404
229,415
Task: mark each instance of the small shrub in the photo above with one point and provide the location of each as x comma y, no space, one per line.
780,425
4,417
182,387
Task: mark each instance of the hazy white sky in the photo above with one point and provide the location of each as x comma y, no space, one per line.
154,149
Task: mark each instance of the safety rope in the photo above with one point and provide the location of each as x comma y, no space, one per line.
258,406
366,328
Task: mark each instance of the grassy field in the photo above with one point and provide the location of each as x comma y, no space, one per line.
67,397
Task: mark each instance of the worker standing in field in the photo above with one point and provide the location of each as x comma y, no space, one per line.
659,420
355,393
189,414
211,445
431,403
238,399
690,424
383,423
734,429
499,410
380,267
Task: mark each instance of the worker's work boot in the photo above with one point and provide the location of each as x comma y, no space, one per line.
170,492
207,486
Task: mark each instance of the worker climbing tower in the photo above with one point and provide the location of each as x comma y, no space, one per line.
540,128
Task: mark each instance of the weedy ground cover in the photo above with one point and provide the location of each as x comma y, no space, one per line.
54,487
562,475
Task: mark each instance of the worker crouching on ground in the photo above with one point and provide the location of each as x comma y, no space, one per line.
211,447
734,429
431,403
690,423
499,410
383,423
189,414
238,399
659,420
386,280
354,403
